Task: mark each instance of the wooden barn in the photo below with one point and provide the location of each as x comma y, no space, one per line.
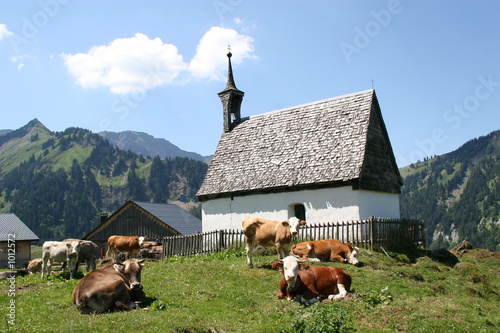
324,161
15,241
153,220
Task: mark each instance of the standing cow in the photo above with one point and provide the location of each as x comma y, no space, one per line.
269,233
326,250
63,252
129,244
311,283
89,253
114,287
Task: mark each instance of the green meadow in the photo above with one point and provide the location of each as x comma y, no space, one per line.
397,292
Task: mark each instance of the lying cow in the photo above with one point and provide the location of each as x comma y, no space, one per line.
13,273
35,265
89,253
326,250
311,283
59,252
269,233
115,287
128,244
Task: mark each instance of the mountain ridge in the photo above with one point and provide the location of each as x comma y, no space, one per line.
148,145
457,194
58,183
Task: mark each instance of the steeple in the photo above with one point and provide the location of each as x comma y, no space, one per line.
231,99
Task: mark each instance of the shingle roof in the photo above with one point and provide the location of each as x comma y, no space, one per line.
11,224
338,141
173,216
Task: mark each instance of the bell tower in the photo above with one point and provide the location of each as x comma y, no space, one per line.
231,99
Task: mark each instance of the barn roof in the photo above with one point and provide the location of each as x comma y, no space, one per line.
174,216
334,142
11,224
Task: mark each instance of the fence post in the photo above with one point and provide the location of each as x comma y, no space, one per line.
370,226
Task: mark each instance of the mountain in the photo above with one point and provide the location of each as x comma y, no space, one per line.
457,194
147,145
58,183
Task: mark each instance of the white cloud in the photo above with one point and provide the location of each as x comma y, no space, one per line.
209,62
127,65
133,65
4,32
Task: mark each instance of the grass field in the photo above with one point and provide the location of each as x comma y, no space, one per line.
218,293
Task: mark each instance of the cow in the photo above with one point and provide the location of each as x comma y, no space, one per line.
5,275
310,284
115,287
326,250
35,265
89,252
129,244
269,233
59,252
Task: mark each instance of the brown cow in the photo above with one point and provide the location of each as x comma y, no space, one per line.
114,287
35,265
129,244
326,250
269,233
311,283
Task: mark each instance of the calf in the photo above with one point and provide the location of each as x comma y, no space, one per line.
59,252
269,233
115,287
326,250
129,244
89,252
35,265
311,282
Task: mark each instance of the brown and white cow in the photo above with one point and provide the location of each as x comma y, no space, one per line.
268,233
115,287
129,244
326,250
311,283
89,253
63,252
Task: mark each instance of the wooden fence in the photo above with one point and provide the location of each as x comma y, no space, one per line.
368,234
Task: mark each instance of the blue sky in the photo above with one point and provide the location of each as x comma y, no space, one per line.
157,66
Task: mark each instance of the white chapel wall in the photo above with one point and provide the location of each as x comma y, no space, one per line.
321,206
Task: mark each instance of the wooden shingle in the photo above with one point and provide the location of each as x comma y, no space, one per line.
335,142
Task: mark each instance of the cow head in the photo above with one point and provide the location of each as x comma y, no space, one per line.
290,267
73,247
131,269
295,224
352,255
142,239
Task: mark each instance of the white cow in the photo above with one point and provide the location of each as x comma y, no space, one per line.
59,252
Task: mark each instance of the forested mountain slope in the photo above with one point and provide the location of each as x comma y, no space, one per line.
58,183
457,194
